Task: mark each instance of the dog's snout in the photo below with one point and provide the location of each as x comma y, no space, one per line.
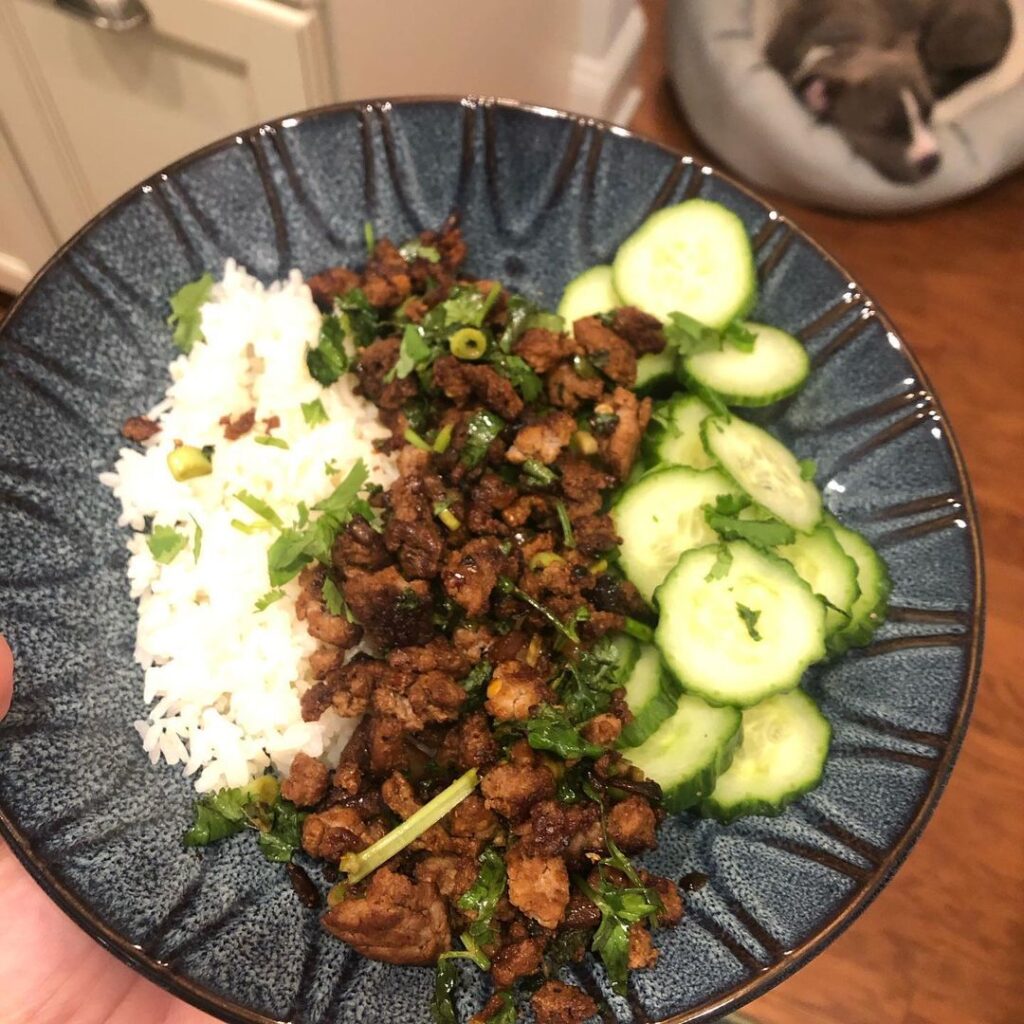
929,164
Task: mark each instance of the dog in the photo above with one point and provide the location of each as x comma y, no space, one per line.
874,69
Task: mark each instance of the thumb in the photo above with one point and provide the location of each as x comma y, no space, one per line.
6,677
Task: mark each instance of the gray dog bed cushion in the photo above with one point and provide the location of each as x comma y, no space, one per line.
746,113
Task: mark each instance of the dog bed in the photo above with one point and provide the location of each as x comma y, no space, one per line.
743,109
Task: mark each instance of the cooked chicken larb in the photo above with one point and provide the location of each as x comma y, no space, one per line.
485,606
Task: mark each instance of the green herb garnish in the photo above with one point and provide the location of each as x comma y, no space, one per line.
272,442
264,602
165,543
723,518
329,360
186,316
749,617
483,427
314,413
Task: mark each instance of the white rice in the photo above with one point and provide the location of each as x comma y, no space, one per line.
224,680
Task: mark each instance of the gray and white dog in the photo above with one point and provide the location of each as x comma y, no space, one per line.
874,68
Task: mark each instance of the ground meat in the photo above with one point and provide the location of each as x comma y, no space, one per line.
512,788
386,280
544,440
495,391
602,730
542,349
325,660
348,687
397,921
557,1003
538,886
449,377
471,573
515,690
451,874
643,331
440,655
359,546
348,778
473,642
611,594
613,355
419,545
632,824
490,1010
641,950
328,835
374,365
329,284
239,426
582,479
472,820
139,428
581,912
307,781
321,624
619,449
553,826
470,744
416,700
566,389
517,960
525,508
388,750
399,795
393,610
595,534
671,902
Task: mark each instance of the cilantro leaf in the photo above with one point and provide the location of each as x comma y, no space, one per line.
441,1007
197,543
585,685
739,337
332,597
723,518
468,306
690,337
272,442
723,563
314,413
339,502
481,900
165,543
186,314
260,507
329,360
264,602
288,556
360,320
549,728
808,469
749,617
416,250
478,678
483,427
518,372
413,351
283,837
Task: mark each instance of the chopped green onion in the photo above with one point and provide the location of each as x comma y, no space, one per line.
358,865
492,297
584,442
187,462
449,519
272,442
250,528
197,544
563,519
543,559
538,473
468,343
599,566
416,441
444,438
368,237
639,630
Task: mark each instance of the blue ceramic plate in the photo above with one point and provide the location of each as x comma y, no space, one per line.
542,195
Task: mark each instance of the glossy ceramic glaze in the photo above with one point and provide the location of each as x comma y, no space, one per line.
542,196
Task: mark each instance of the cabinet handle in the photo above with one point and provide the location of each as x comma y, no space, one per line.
110,15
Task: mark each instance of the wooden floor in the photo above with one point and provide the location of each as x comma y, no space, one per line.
944,943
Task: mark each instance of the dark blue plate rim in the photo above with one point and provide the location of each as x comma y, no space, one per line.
229,1010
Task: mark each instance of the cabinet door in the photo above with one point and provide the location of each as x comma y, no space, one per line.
111,108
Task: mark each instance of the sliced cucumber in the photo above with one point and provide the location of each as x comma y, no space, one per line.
651,694
628,650
694,258
661,516
738,636
656,372
868,611
782,756
819,558
765,468
678,441
590,293
776,367
689,751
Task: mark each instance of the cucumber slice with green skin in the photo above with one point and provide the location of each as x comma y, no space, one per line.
657,373
678,442
689,751
775,368
868,611
651,694
820,560
661,516
694,258
764,468
737,637
782,756
591,293
628,651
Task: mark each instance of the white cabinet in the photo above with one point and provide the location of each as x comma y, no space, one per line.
86,113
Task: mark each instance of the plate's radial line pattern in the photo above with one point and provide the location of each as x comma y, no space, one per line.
755,928
768,230
877,411
57,368
931,616
695,182
279,141
309,964
369,162
467,150
585,978
54,400
211,928
817,856
907,643
925,737
90,261
31,508
53,826
860,751
671,182
872,854
213,235
917,506
596,134
779,250
281,240
738,951
850,333
101,298
342,982
922,529
117,829
387,136
882,437
156,193
831,316
178,912
640,1013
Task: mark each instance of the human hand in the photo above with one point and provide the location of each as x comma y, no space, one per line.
51,972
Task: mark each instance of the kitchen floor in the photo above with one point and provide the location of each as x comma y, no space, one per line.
944,942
